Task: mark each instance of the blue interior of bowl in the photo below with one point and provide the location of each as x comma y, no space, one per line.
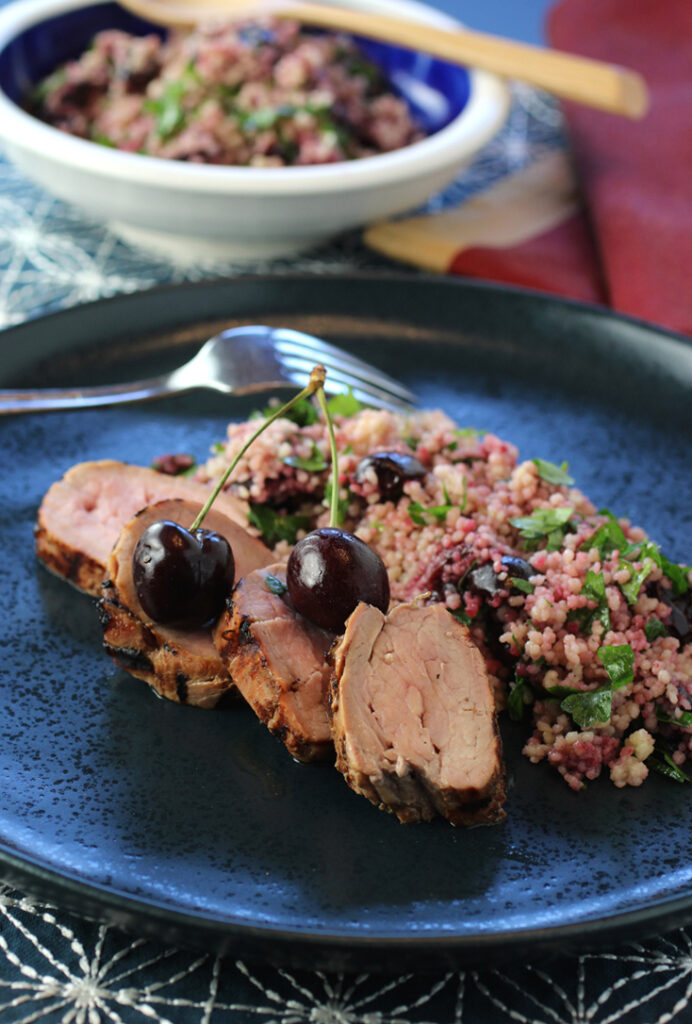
436,91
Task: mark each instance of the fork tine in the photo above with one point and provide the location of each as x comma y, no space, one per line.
337,375
289,342
337,371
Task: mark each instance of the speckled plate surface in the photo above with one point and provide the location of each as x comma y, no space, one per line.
197,826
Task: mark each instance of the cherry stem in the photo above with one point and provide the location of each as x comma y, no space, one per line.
316,383
334,503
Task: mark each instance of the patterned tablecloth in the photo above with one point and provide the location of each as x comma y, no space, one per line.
55,967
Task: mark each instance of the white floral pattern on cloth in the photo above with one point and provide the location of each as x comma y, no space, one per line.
55,967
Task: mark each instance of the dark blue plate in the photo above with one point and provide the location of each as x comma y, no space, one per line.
197,826
436,91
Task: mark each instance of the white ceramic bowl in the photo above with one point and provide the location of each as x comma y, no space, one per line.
193,212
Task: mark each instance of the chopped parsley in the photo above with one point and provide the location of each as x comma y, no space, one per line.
274,526
553,474
595,589
276,585
654,628
515,699
611,537
472,433
168,108
345,404
303,413
266,117
661,761
589,707
462,616
608,537
418,513
313,463
551,523
592,707
684,721
677,574
519,584
618,660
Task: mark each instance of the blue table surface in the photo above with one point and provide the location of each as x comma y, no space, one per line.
517,19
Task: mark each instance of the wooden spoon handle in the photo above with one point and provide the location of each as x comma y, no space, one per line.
592,83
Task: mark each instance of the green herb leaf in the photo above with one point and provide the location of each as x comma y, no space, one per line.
618,660
561,691
654,628
303,413
266,117
677,574
664,764
168,108
590,707
684,721
519,584
462,616
595,589
275,527
634,584
276,585
469,432
544,522
218,447
553,474
515,700
418,513
345,405
608,537
103,140
314,463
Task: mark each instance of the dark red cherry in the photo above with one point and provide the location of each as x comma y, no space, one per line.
182,578
329,572
392,470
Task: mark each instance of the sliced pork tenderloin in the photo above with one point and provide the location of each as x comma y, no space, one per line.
179,664
82,514
413,716
278,662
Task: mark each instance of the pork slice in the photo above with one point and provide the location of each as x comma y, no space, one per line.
413,716
179,664
82,514
278,662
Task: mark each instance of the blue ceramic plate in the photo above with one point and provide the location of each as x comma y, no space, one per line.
197,826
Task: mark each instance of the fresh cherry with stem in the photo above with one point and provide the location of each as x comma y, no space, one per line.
331,570
182,576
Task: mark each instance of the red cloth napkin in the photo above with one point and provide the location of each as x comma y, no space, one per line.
632,246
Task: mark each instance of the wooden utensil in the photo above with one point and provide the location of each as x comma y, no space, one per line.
607,87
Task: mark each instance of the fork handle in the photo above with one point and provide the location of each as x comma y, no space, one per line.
53,399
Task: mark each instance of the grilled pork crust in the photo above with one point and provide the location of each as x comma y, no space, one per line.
413,718
187,670
278,662
179,664
82,515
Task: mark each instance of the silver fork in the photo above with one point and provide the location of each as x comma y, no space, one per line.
239,361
